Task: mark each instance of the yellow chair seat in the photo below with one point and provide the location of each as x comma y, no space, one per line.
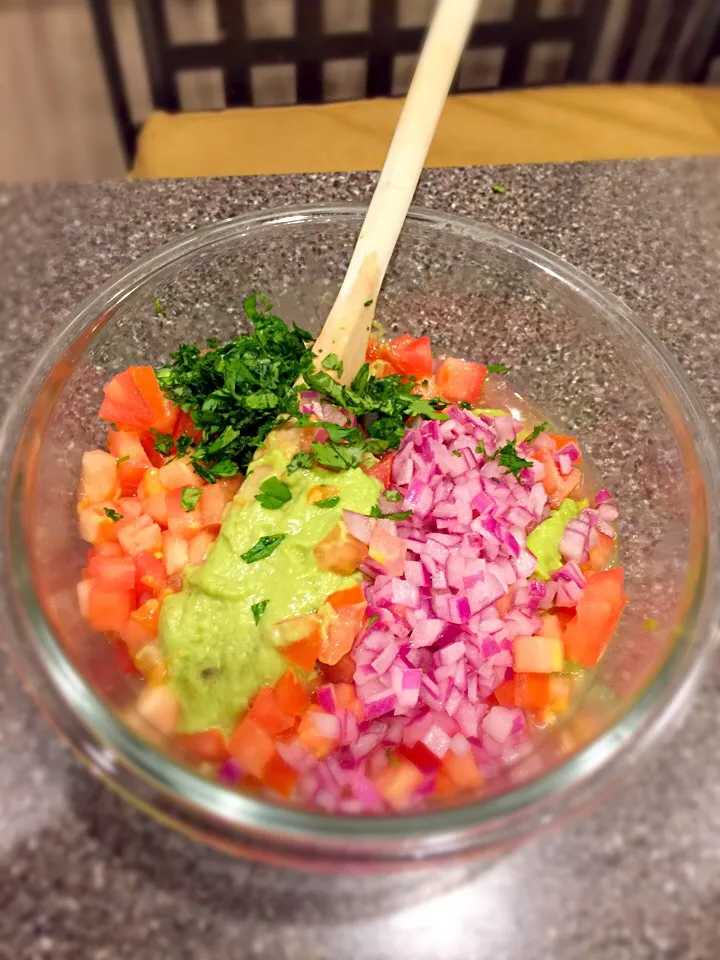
541,125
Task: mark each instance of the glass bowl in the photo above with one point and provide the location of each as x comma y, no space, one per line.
575,351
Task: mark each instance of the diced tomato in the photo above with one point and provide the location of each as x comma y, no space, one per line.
460,380
398,781
150,484
505,694
266,711
301,639
373,352
199,546
598,612
108,610
179,473
164,412
420,756
463,770
183,523
131,458
96,527
538,654
341,672
345,696
160,707
184,426
503,605
123,404
113,573
445,786
565,487
105,550
551,626
601,554
148,616
388,550
339,552
252,746
290,695
409,355
136,636
212,504
99,477
129,507
309,736
279,776
209,745
322,492
346,598
175,550
561,439
150,573
156,508
229,486
341,633
83,595
139,536
382,470
532,690
156,458
426,388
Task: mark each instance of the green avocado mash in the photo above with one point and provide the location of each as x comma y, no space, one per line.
544,541
217,655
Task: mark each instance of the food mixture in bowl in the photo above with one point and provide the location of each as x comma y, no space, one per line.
361,598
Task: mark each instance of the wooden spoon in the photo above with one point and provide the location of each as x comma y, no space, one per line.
347,328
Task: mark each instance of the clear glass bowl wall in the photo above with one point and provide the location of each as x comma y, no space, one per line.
575,352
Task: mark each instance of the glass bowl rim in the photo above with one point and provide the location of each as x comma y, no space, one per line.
186,791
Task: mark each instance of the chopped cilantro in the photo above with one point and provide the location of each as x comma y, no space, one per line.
330,502
394,496
301,461
368,303
159,309
373,619
273,494
536,432
263,548
464,405
337,456
456,453
400,515
113,514
189,498
331,362
123,459
497,368
258,609
506,456
498,188
163,442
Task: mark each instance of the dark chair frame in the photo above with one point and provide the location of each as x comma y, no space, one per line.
309,48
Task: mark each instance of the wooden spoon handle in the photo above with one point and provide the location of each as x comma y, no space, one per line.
347,328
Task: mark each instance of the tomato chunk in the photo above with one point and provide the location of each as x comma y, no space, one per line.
301,639
290,695
124,405
181,522
382,470
346,598
98,477
409,355
341,633
252,746
209,745
108,610
163,411
460,380
598,611
266,711
131,458
113,573
339,552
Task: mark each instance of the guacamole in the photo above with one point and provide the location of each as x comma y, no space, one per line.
217,655
544,541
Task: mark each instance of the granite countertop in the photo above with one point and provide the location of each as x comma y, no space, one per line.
84,876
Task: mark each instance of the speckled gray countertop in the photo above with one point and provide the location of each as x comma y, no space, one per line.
84,876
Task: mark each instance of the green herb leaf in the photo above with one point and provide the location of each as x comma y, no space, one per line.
326,504
225,468
113,514
498,188
368,303
301,461
189,498
163,442
456,453
540,428
159,310
331,362
273,494
258,609
464,405
372,620
507,457
263,548
337,456
123,459
394,496
400,515
497,368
